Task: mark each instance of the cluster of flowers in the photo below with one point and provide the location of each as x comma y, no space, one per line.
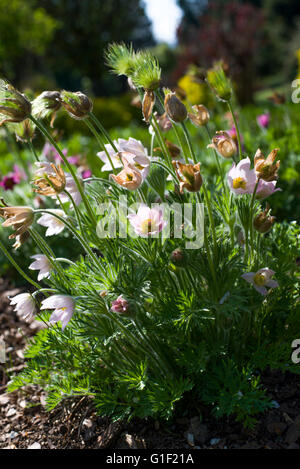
133,159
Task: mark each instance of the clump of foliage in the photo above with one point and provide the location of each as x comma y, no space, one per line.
146,320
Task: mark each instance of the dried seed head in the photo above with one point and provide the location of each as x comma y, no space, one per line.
223,144
52,183
148,104
189,176
263,221
20,218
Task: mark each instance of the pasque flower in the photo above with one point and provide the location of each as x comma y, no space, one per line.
78,105
50,179
175,108
241,178
11,179
147,221
63,306
20,218
223,144
129,177
53,224
266,168
263,221
42,264
24,305
261,279
265,189
199,115
120,305
189,176
136,155
263,120
14,106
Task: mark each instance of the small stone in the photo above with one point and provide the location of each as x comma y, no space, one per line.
11,412
215,441
35,445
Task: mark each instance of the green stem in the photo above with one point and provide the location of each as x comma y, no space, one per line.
17,267
77,213
33,150
188,140
69,166
101,143
103,130
237,129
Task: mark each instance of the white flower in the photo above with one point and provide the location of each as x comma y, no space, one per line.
54,225
241,178
147,221
261,279
42,264
24,305
63,306
136,155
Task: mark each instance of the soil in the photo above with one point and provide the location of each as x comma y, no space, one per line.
24,422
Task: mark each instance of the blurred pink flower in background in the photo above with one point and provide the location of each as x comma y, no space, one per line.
263,120
11,179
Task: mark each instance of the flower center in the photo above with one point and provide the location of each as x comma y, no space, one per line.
259,279
146,225
139,166
129,177
239,183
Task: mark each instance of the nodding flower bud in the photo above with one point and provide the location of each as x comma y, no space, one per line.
121,306
173,149
14,106
219,83
266,168
178,257
148,103
175,108
45,104
263,221
200,115
223,144
189,176
78,105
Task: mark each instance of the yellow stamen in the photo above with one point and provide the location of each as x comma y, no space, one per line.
146,225
239,183
259,279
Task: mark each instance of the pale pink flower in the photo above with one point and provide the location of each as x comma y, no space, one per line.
261,279
24,305
53,224
136,155
147,222
42,264
241,178
120,305
63,306
265,189
72,188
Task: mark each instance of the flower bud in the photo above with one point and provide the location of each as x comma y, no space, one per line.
219,83
14,106
266,168
223,144
121,306
200,115
45,104
78,105
189,176
175,109
178,257
263,221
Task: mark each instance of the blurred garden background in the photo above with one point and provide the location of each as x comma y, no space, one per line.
60,44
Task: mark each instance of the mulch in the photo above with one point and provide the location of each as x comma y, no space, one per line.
24,422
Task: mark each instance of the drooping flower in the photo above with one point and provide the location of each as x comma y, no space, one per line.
175,108
50,179
147,222
266,168
20,218
129,177
120,305
263,120
14,106
189,176
24,305
241,178
77,104
265,189
63,306
53,224
261,279
263,221
42,264
46,104
199,115
137,155
223,144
